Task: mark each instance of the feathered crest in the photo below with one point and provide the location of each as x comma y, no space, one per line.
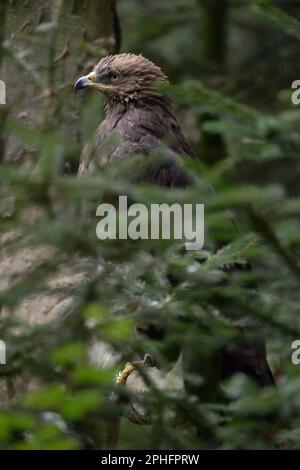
130,64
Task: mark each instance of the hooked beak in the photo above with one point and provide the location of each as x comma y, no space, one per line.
84,82
88,81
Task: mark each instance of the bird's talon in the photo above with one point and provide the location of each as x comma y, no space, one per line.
125,373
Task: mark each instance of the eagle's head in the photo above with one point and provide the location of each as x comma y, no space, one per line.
122,77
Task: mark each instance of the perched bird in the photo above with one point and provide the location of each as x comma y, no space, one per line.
143,120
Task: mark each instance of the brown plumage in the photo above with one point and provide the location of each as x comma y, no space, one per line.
142,120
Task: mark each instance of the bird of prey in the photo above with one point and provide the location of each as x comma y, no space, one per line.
143,120
140,118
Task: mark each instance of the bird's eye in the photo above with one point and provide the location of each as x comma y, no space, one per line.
113,75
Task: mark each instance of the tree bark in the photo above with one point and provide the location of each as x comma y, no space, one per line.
83,31
3,109
39,85
101,25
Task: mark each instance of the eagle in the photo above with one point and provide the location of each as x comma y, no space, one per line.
143,119
138,116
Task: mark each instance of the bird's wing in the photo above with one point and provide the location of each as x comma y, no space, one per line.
142,129
99,149
154,125
86,164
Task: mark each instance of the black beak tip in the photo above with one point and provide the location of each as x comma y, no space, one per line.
80,84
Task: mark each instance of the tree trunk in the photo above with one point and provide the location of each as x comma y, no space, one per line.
59,36
83,31
3,109
214,37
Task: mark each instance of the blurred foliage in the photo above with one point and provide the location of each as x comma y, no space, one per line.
64,294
